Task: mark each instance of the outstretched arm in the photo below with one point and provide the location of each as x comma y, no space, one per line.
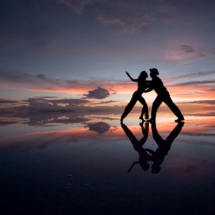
135,80
136,162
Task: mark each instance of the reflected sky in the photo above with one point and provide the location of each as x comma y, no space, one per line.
61,167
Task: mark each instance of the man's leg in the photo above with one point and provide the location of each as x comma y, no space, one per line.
173,107
156,104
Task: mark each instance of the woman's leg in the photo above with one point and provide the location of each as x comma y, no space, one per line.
130,105
144,109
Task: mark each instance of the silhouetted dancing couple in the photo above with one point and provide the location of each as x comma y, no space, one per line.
145,86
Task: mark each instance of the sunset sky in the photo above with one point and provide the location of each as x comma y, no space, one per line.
72,54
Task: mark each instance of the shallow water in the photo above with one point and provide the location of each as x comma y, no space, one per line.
83,165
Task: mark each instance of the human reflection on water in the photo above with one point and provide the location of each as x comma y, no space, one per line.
144,157
157,156
164,145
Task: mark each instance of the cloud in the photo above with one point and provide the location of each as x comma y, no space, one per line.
129,24
40,82
210,102
183,52
26,81
64,107
5,101
77,6
187,49
2,123
132,16
192,75
99,127
98,93
69,101
196,83
41,104
104,102
129,15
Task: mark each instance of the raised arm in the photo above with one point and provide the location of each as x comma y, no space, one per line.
135,80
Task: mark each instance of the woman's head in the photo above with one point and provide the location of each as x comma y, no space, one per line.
143,74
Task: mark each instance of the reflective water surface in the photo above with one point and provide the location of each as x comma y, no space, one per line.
63,164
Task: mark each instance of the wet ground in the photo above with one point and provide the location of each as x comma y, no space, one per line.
94,165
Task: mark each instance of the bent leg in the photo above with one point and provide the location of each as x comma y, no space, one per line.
144,109
129,106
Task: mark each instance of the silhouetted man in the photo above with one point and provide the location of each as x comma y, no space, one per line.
163,145
144,157
162,96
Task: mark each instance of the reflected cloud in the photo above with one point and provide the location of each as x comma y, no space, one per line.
194,165
42,140
45,119
99,127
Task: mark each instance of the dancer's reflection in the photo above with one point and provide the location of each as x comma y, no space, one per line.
144,157
163,145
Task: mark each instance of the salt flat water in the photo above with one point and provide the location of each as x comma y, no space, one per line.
61,164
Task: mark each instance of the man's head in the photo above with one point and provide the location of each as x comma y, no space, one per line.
153,72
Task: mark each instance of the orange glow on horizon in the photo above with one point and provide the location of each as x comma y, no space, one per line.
185,93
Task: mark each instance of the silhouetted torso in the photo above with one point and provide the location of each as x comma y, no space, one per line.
142,85
158,86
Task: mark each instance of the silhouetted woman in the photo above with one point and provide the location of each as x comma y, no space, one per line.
137,96
162,96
